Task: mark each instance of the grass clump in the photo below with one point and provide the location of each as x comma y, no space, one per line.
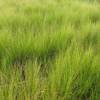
49,50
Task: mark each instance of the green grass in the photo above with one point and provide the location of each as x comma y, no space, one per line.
49,50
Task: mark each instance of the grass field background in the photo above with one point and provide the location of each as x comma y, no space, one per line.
49,49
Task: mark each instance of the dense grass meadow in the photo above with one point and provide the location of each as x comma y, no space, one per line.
49,49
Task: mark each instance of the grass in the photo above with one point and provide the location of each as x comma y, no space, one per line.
49,50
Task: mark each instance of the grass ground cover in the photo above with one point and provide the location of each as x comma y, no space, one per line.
49,50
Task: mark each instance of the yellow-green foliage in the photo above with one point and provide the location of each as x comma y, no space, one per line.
49,50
